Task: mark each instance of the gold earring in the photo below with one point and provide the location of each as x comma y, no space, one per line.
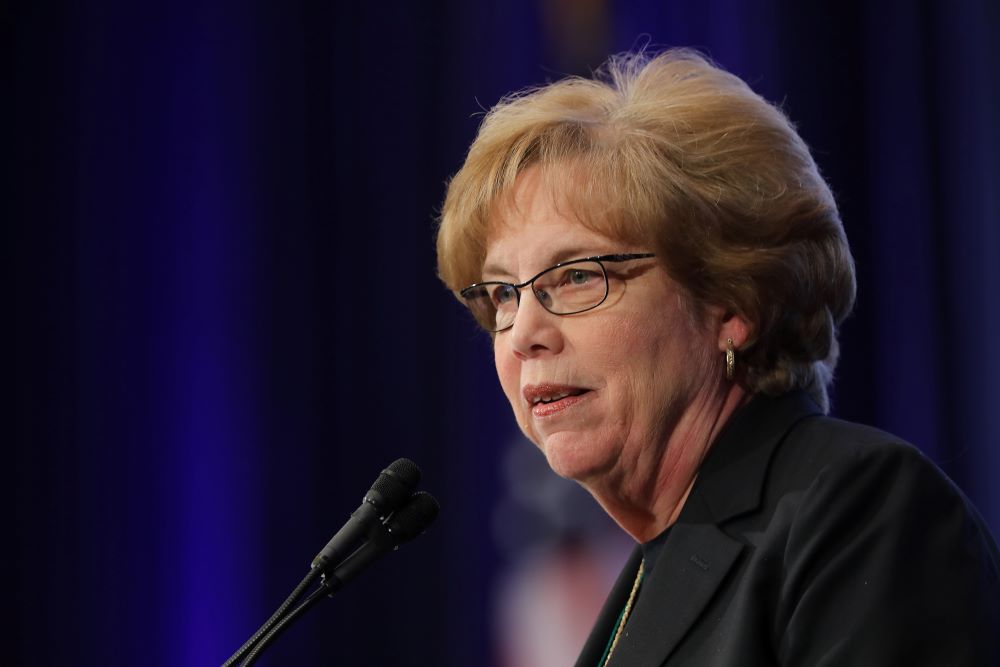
730,360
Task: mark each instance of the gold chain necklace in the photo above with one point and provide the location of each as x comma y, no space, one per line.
625,612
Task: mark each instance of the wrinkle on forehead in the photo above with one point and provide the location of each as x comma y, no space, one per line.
570,191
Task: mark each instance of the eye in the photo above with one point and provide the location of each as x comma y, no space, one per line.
575,277
472,293
504,294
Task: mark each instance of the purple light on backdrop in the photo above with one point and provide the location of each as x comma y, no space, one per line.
213,478
205,352
191,179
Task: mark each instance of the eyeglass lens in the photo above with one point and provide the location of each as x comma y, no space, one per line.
562,290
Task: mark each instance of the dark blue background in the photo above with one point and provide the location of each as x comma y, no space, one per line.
226,316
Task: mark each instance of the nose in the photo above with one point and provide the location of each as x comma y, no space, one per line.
536,331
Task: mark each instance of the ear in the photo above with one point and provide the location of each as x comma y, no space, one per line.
733,326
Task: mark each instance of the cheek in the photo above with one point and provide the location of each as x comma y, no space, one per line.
633,364
508,372
649,363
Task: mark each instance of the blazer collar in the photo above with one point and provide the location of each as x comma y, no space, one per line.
731,478
698,555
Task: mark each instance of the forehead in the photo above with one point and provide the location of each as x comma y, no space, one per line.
535,227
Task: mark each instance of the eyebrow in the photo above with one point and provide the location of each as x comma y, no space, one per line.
564,255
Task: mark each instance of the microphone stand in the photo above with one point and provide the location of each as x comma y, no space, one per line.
314,598
401,526
275,618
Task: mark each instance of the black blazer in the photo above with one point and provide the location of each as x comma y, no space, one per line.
811,541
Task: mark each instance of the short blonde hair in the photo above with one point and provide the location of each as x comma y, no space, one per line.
675,153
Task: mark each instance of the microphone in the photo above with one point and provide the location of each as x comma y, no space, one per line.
405,524
392,488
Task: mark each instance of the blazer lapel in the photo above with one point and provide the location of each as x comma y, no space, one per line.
692,566
697,555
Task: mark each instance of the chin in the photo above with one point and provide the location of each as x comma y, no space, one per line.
570,457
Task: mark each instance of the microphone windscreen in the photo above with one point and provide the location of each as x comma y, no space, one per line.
394,485
405,470
414,517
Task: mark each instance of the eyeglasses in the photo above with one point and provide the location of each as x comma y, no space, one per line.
564,289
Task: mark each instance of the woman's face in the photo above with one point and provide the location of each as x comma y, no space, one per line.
601,392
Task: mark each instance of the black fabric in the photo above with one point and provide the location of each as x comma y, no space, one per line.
812,541
651,551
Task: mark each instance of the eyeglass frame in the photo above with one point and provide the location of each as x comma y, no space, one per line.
598,259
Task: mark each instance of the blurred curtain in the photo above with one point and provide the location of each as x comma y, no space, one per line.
226,319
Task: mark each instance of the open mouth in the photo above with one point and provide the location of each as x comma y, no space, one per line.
546,399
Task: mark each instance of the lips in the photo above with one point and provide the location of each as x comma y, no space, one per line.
546,399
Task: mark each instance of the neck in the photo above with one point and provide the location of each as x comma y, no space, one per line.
648,498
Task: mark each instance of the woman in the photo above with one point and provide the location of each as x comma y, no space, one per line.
663,271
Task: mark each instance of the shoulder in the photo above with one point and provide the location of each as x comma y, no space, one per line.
827,440
880,544
823,454
844,476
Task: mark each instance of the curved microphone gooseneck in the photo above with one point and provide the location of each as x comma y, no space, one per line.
405,524
391,490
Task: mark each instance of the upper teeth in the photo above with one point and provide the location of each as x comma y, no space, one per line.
551,397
